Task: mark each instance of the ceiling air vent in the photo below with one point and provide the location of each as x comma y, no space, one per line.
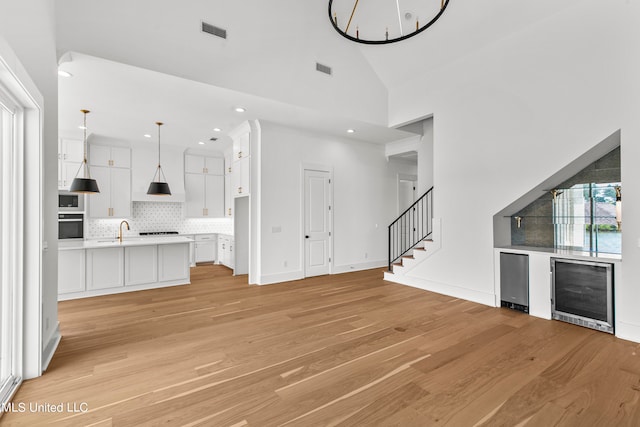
213,30
323,68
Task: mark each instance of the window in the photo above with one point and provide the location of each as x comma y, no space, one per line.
584,218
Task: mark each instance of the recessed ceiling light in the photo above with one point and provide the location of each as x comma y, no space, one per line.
63,73
82,127
200,142
217,129
146,135
240,109
351,131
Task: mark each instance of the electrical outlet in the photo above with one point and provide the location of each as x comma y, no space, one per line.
285,263
366,255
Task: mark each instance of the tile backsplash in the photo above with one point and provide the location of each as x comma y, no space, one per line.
157,216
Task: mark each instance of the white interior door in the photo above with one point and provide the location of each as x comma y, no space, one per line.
406,197
406,194
317,223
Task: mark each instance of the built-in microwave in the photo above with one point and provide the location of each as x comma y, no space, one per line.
70,202
70,226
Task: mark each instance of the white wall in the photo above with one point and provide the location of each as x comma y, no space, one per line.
364,200
509,115
28,26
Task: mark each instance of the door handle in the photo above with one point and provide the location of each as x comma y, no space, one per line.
306,237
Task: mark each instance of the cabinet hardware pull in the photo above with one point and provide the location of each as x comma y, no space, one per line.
229,211
58,156
65,156
240,190
239,154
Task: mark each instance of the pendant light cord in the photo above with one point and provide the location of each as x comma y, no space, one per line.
159,125
84,137
85,164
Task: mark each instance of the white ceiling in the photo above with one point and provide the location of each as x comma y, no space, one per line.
126,101
266,63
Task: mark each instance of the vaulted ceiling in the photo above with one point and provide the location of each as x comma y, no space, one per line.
272,48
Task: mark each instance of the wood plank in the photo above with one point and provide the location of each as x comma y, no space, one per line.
349,349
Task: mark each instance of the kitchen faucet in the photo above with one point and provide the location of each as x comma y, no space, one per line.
120,230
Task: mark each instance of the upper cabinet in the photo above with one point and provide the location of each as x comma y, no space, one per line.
110,167
204,186
242,144
111,156
70,155
241,166
204,165
228,185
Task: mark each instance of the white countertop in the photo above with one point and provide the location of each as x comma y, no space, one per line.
564,252
127,241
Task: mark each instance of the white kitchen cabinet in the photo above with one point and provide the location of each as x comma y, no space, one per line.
221,248
110,167
114,199
173,262
70,155
214,196
204,195
66,173
194,195
228,184
202,164
140,265
111,156
241,167
242,145
105,268
225,251
240,177
71,271
205,248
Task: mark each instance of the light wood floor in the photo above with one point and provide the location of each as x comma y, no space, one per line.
349,349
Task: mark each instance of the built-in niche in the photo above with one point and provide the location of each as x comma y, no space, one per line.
578,213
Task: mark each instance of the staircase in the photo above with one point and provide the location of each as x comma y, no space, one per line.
411,236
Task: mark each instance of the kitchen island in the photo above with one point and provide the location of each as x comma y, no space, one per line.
107,266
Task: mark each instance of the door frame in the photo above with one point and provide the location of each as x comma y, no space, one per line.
318,168
29,209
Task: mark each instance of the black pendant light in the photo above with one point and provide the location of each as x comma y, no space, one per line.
84,184
159,186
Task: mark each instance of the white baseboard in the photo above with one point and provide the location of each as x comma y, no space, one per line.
52,345
347,268
627,331
271,279
445,289
122,289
